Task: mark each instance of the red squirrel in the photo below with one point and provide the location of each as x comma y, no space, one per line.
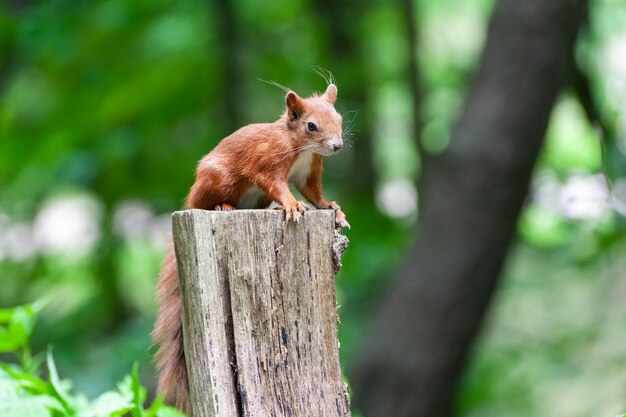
249,169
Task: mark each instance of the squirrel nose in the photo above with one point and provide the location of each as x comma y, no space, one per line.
338,146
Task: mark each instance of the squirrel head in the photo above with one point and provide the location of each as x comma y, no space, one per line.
315,121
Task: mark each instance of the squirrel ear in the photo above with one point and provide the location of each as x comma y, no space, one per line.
331,93
295,105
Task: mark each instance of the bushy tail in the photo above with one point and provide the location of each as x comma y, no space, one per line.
168,334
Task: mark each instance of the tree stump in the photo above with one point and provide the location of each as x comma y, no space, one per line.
260,314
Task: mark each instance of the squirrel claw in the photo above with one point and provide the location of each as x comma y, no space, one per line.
301,206
295,212
224,207
328,206
340,219
292,215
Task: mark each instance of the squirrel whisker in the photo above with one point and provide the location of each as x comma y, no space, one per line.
324,73
275,84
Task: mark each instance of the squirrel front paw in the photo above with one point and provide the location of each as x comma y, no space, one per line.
224,207
294,213
340,217
328,206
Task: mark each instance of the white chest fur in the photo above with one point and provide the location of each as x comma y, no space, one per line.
300,170
298,175
250,198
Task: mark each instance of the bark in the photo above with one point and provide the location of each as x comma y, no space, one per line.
259,313
412,34
229,44
470,199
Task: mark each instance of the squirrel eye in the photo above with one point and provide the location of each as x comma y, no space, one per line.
311,126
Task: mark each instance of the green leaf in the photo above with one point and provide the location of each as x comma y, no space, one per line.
24,407
32,364
26,381
55,382
16,325
33,406
111,403
154,407
159,409
167,411
139,393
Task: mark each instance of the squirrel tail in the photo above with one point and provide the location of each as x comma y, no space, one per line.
168,334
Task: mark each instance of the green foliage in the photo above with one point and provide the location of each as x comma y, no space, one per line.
17,325
115,101
25,393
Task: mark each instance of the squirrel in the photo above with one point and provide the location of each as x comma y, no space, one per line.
251,168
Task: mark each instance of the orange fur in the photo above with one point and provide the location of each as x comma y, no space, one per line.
249,169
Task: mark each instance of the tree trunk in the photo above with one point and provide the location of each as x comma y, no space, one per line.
259,313
229,45
412,35
354,89
470,199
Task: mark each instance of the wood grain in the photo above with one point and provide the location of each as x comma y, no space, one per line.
259,313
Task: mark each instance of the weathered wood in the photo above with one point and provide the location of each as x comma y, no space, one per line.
259,313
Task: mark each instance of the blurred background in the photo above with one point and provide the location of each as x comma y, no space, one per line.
106,106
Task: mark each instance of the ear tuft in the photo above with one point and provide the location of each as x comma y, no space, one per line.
295,105
331,93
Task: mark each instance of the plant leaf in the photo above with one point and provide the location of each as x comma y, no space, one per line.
55,382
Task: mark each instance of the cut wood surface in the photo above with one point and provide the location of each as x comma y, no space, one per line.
260,314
